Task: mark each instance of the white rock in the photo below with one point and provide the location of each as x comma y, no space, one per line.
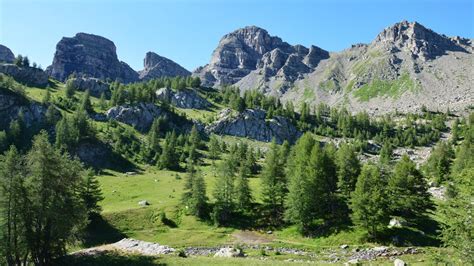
399,262
228,253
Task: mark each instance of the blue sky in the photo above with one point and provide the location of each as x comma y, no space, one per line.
188,31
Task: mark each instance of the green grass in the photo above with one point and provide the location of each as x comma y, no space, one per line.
386,88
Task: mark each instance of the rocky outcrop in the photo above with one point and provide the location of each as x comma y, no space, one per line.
95,86
229,253
91,56
141,117
27,75
254,125
419,41
13,104
156,66
187,98
6,55
252,49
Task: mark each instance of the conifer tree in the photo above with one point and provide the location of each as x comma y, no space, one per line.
70,90
91,193
369,200
243,194
224,193
86,103
102,101
273,184
408,190
348,169
214,148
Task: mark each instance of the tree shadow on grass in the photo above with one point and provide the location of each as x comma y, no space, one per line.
108,259
99,232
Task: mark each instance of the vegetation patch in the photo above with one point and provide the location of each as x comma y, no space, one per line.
386,88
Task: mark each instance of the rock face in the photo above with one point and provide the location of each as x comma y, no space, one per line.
252,49
95,86
6,55
253,124
416,39
91,56
12,104
141,117
187,98
156,66
26,75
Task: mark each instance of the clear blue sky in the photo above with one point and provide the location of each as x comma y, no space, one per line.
188,31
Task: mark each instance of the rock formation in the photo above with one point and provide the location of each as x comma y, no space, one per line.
254,125
95,86
187,98
252,49
13,104
91,56
156,66
27,75
6,55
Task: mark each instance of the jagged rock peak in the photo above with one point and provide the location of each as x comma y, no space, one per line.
91,56
416,39
254,37
156,66
6,55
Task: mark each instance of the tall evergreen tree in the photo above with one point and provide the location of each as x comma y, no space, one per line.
408,190
13,245
69,90
348,169
273,184
369,200
224,193
85,104
91,193
243,194
56,213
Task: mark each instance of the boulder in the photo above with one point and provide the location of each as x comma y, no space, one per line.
95,86
229,253
187,98
399,262
91,56
252,123
6,55
143,203
26,75
156,66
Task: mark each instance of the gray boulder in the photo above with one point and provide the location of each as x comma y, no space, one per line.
95,86
229,253
253,124
399,262
91,56
26,75
187,98
156,66
6,55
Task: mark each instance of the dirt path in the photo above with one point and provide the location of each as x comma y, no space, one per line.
251,238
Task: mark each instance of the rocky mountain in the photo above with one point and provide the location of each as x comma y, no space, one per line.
91,56
156,66
27,75
251,51
6,55
404,67
13,104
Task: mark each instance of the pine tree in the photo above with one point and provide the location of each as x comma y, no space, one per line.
13,245
299,203
224,193
386,153
214,148
168,155
55,210
102,101
348,169
70,90
154,135
91,193
86,103
439,163
243,194
198,200
273,184
369,200
408,190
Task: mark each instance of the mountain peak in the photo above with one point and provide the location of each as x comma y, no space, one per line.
416,39
156,66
